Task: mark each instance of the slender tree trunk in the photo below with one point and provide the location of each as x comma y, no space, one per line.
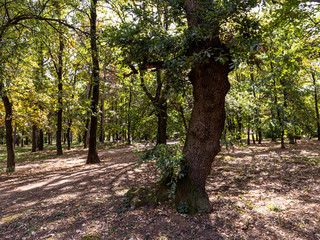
239,125
92,153
102,135
259,134
257,114
183,117
18,140
253,138
282,116
41,140
15,136
162,124
9,129
69,134
87,127
34,137
49,138
60,86
160,102
129,112
316,103
248,135
180,110
22,141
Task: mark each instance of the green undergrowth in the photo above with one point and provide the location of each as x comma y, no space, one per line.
172,184
169,165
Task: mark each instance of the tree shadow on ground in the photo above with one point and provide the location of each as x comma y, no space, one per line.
256,192
67,199
273,193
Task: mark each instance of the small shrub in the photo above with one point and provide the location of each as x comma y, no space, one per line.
168,163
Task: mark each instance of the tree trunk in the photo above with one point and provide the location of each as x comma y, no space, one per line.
159,102
162,124
316,103
18,140
49,138
248,134
259,133
129,112
257,114
60,73
92,153
34,137
22,141
41,140
69,134
210,86
15,136
9,129
239,124
102,135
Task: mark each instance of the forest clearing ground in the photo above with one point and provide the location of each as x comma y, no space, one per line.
257,192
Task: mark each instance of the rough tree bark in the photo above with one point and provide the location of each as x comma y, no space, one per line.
210,86
9,129
92,153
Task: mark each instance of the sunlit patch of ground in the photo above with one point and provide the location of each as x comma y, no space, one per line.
257,192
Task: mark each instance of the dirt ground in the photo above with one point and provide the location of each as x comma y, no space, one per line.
257,192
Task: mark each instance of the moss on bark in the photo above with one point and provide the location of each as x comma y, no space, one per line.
188,195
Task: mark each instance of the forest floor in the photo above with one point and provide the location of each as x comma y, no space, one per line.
257,192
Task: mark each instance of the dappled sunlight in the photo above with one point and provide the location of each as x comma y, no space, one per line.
256,192
268,191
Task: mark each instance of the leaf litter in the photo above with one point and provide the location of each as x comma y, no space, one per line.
257,192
